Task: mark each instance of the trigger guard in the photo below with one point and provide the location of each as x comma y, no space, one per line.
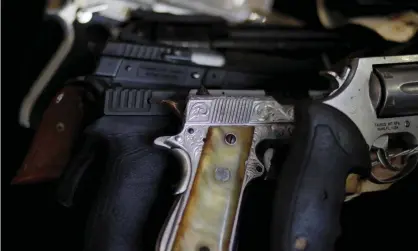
186,166
409,167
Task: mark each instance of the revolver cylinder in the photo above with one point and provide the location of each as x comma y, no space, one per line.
394,90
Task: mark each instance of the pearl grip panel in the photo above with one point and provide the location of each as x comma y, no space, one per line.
209,215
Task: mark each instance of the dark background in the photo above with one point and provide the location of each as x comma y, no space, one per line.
33,219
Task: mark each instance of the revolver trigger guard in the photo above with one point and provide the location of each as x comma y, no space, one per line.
382,142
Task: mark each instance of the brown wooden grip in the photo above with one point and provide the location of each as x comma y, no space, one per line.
52,144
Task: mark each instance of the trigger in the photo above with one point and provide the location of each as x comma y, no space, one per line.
268,156
382,142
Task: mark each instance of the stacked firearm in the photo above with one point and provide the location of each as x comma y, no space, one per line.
230,103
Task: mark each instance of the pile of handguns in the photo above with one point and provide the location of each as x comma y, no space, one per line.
219,97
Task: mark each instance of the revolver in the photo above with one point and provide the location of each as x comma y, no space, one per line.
217,150
375,107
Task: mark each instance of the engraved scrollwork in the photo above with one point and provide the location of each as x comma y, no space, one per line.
282,112
262,112
193,142
254,167
198,112
271,111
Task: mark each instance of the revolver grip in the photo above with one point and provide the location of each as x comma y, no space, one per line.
326,146
130,184
53,143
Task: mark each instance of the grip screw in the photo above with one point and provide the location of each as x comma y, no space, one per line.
230,139
222,174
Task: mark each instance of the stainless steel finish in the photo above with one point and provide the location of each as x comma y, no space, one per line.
65,16
381,86
185,162
240,108
353,99
411,162
383,158
382,142
408,153
375,91
164,236
335,78
399,84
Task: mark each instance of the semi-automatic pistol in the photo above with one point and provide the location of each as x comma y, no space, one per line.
217,150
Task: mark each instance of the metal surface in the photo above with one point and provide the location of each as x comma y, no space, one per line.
399,84
354,100
65,16
409,163
379,94
240,108
385,159
407,153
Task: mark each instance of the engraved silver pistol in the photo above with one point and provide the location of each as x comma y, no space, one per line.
217,150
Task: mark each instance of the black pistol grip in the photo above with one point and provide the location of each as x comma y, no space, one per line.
311,185
128,190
